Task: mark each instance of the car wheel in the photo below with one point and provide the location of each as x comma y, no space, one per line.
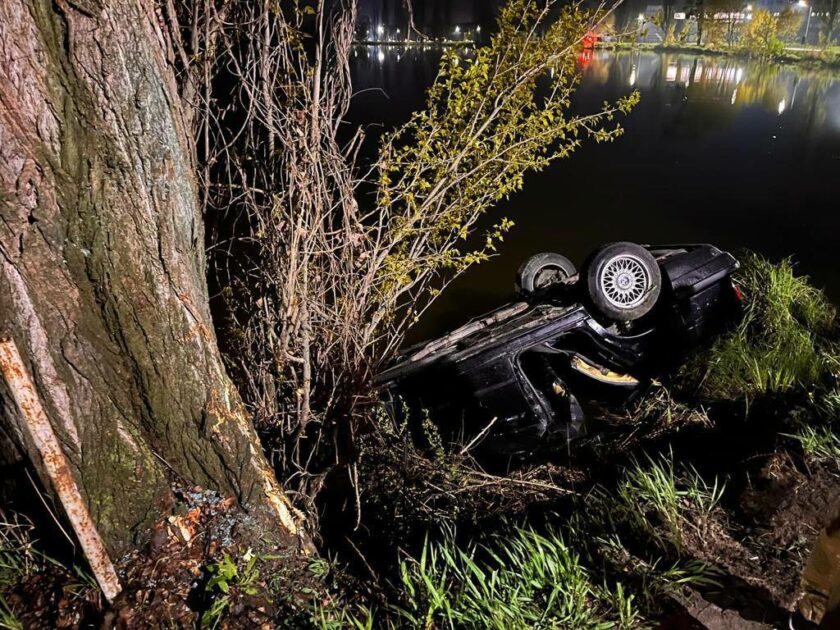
623,280
541,271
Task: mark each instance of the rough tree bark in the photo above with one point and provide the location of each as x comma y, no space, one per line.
102,267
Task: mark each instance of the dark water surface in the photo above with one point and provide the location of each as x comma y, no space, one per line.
720,150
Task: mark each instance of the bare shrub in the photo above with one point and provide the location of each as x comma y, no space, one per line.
327,280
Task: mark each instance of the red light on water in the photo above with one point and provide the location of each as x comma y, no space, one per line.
585,57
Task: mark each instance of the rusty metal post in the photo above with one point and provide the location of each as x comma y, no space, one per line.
55,465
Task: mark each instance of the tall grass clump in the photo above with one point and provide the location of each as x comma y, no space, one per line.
524,580
782,343
660,500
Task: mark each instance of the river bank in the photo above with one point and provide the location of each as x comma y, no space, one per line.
702,504
828,58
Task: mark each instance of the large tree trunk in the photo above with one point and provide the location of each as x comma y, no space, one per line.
102,268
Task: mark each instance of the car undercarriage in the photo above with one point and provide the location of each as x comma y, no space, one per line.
534,372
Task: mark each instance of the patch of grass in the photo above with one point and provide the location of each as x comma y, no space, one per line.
654,578
820,444
829,403
782,343
343,618
18,557
635,530
660,500
524,580
8,619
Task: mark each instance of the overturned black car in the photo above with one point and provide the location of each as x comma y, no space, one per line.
528,374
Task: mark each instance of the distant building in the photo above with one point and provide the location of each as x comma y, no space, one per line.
387,19
650,22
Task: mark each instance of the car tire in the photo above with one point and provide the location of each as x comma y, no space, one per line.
623,281
541,271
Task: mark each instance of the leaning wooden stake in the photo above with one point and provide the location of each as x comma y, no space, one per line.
55,464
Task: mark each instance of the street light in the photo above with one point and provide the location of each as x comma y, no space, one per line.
803,3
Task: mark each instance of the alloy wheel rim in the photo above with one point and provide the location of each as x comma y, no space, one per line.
625,281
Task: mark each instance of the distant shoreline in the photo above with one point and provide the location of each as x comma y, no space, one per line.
807,57
813,57
419,44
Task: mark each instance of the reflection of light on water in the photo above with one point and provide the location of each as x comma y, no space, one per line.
710,82
832,107
674,70
713,74
585,57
